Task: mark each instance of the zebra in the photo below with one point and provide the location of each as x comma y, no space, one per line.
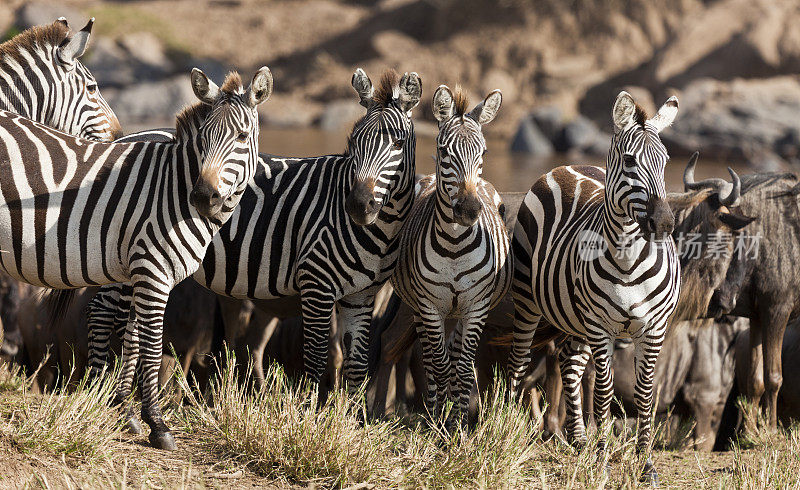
75,213
42,79
594,256
323,228
455,256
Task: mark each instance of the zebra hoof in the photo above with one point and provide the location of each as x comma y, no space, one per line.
649,474
162,440
133,425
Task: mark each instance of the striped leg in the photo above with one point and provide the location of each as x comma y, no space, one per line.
430,327
130,356
525,322
108,310
645,357
574,356
149,302
317,309
464,365
602,354
355,315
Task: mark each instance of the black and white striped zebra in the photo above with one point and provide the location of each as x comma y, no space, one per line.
594,256
323,228
75,213
455,259
42,79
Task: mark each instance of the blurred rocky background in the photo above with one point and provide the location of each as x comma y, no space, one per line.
733,63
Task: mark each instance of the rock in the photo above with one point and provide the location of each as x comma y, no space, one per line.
109,63
151,102
529,139
578,134
147,52
339,114
285,111
549,120
394,46
41,13
499,79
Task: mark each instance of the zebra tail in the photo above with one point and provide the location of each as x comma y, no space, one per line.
378,325
56,304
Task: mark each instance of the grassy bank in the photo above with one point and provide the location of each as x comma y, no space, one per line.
236,436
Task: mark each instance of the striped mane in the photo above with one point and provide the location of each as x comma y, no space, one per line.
460,102
640,115
31,39
386,91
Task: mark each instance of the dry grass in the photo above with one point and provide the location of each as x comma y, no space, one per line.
234,436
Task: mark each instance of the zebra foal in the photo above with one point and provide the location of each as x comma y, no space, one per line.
455,259
595,258
76,213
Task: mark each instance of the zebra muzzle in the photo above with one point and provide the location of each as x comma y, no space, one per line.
658,221
361,204
206,198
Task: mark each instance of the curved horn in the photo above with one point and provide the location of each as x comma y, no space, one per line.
736,190
688,174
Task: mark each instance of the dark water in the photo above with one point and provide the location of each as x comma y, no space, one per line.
507,171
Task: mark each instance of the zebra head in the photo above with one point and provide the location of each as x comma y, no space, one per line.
635,168
228,139
460,147
381,145
72,102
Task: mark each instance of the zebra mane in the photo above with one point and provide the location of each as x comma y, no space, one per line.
460,102
233,83
190,119
640,115
387,89
31,39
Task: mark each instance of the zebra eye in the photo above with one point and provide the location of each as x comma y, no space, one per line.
91,88
398,144
242,137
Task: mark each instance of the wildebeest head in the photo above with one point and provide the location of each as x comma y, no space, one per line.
708,226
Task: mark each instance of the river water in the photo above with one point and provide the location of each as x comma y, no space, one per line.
508,171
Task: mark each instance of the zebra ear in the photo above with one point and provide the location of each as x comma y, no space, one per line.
624,110
73,48
363,86
443,103
205,90
666,114
261,87
410,91
486,111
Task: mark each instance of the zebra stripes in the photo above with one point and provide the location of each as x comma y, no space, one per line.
454,260
324,228
77,213
593,256
42,79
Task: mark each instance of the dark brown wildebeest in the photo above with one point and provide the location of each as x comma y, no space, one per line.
767,288
192,327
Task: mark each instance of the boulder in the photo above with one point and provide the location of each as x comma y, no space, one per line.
146,50
578,134
41,13
151,102
340,114
549,120
531,140
109,63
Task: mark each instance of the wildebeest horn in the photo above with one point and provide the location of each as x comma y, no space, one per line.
736,190
718,185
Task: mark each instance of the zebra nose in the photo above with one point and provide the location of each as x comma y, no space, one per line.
361,204
467,210
205,198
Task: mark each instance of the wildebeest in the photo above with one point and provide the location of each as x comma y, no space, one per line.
764,286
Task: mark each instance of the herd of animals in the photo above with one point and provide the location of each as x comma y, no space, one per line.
350,268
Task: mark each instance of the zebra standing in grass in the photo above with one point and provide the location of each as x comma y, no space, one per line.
77,213
594,256
323,228
42,79
455,260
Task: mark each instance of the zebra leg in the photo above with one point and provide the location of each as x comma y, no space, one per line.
317,309
149,301
525,323
602,354
645,357
574,356
454,347
108,309
355,316
430,326
130,356
472,328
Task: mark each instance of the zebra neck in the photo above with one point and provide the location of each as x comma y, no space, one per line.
444,224
622,236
